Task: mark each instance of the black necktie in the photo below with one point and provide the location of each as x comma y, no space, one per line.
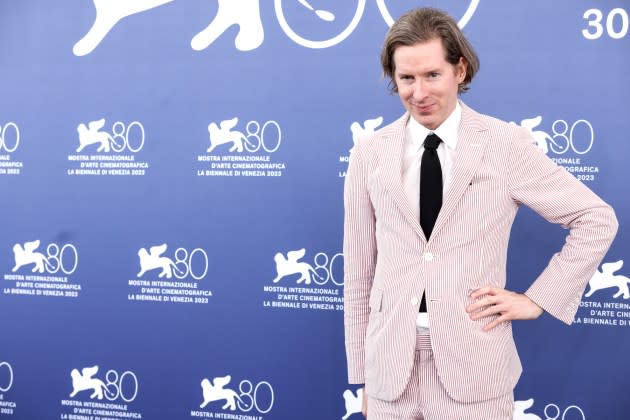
430,191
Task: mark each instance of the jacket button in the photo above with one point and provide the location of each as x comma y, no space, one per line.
427,256
414,301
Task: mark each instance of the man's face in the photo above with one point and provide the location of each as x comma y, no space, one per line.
427,83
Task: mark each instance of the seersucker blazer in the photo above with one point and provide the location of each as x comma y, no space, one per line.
389,263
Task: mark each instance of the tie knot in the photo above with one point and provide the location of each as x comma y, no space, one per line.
432,141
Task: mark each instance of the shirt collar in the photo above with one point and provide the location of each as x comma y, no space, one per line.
447,131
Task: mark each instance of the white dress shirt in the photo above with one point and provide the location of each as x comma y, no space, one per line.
412,157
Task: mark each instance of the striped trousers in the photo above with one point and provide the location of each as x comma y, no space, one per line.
425,397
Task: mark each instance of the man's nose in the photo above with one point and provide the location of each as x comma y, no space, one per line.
419,90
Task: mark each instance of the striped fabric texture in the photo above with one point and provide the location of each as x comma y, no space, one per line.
389,263
425,398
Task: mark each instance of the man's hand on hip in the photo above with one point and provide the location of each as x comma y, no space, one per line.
508,305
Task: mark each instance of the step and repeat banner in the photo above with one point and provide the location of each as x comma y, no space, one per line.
172,178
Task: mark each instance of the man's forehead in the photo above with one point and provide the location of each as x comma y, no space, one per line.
433,54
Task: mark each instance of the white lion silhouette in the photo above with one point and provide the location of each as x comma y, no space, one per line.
368,127
153,259
519,410
108,14
26,255
216,392
540,137
606,278
245,14
84,381
91,135
290,265
226,135
353,402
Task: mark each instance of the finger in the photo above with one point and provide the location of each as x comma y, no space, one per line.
475,307
484,290
495,323
490,311
485,302
479,292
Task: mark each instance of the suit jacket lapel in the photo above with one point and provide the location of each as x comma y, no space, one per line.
471,145
392,150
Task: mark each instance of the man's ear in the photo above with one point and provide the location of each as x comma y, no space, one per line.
461,70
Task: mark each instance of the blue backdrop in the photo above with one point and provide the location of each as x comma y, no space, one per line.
172,177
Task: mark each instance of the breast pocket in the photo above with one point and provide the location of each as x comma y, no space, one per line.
483,201
385,207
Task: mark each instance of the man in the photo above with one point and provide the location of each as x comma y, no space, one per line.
427,223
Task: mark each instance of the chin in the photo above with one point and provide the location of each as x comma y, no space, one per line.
427,122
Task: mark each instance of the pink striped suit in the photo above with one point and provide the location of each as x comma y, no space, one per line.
389,263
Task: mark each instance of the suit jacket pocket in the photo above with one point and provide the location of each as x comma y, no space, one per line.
373,334
376,312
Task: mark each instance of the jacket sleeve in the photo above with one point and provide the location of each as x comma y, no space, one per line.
556,195
359,249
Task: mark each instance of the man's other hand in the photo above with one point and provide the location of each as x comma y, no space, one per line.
508,305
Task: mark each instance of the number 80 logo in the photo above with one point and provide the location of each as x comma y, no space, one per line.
6,379
9,137
325,269
123,138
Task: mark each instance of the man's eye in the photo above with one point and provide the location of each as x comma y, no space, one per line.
434,75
